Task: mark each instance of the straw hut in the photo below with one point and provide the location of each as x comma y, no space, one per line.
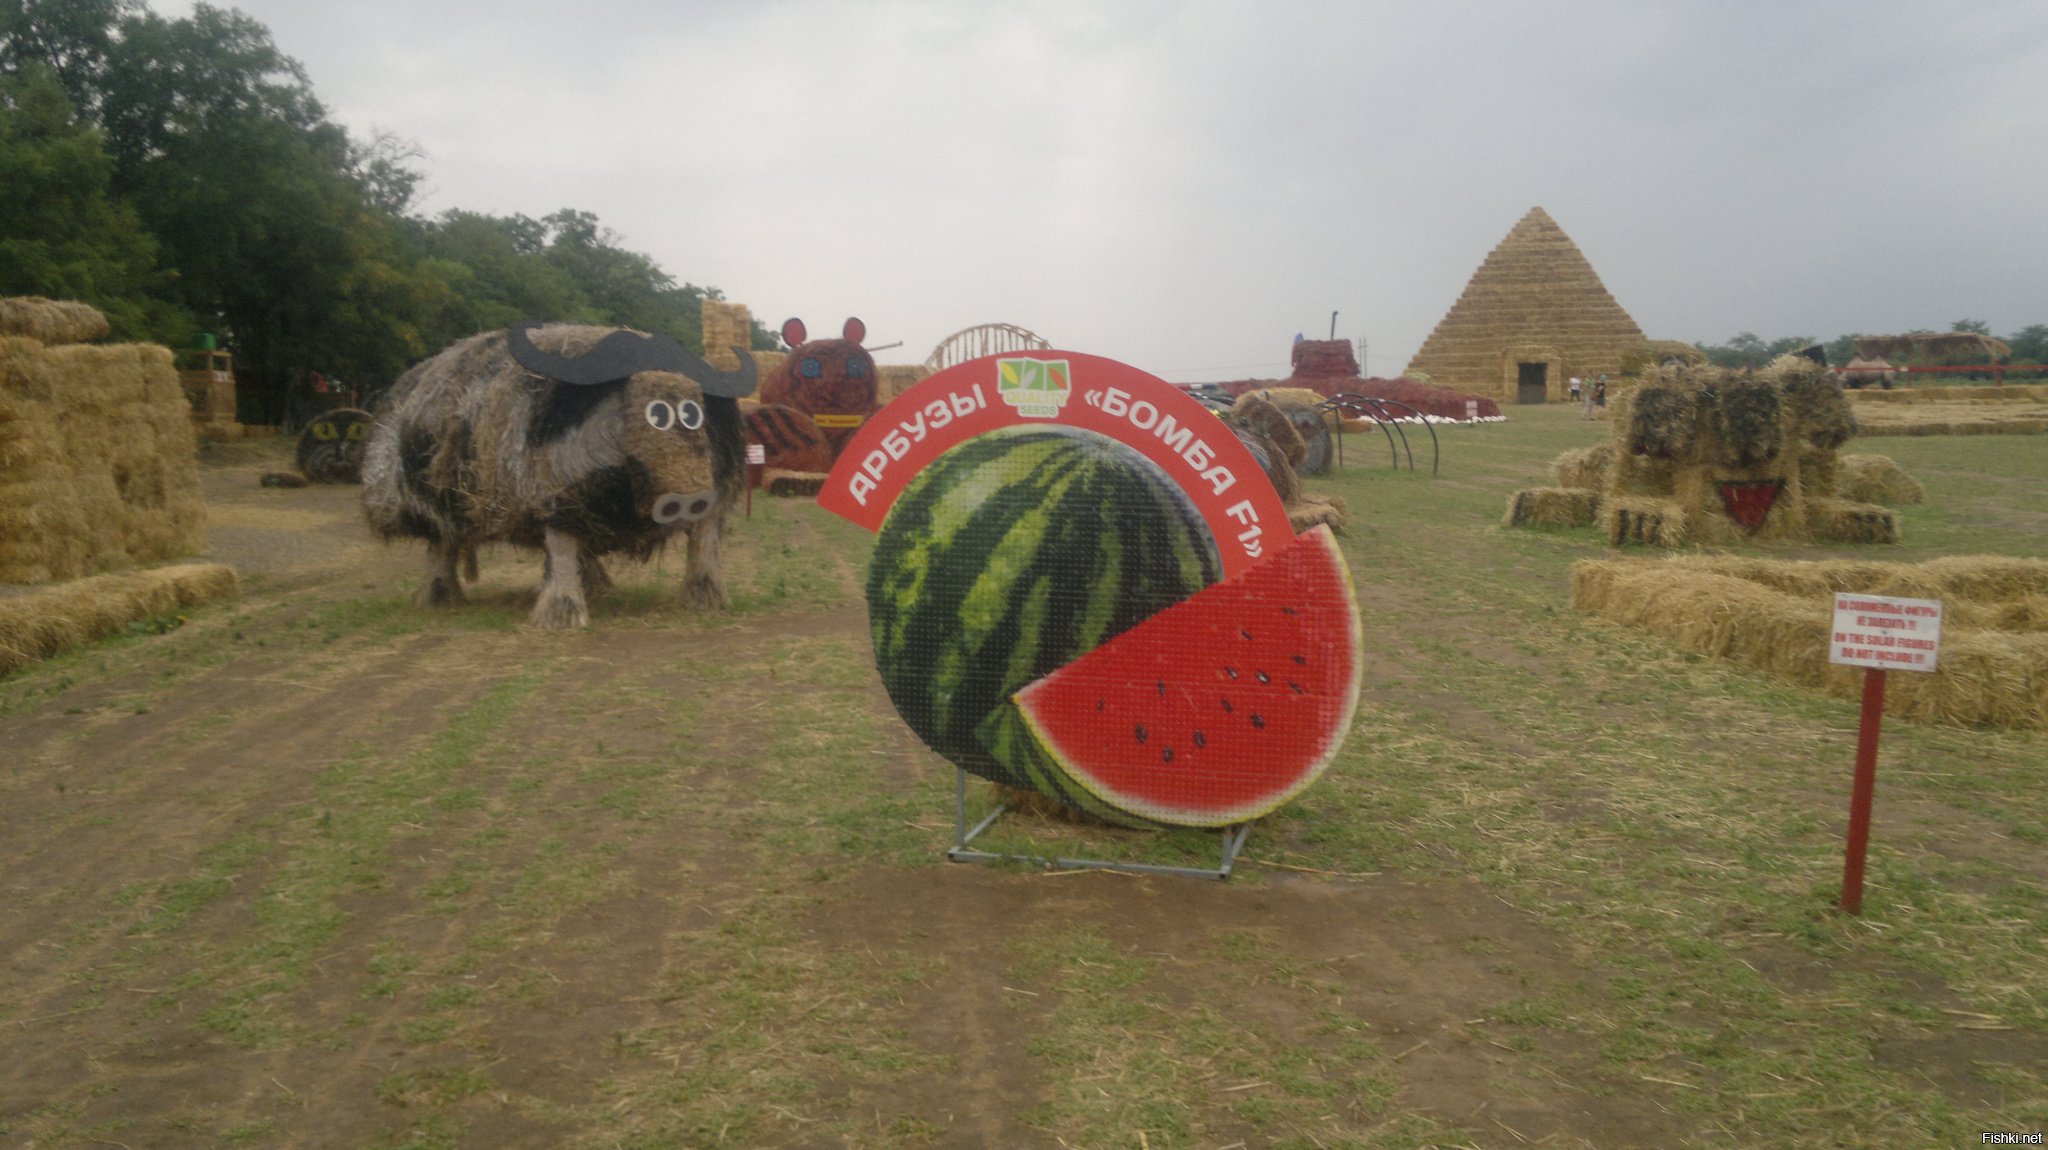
1532,316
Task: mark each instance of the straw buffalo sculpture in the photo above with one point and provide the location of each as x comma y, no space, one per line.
580,441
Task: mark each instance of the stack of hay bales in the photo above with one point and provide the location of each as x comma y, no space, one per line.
1697,454
98,466
38,625
1775,616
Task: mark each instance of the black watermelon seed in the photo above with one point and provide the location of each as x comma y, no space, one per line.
1141,732
1166,756
1162,688
1201,740
1264,678
1099,704
1301,660
1298,688
1227,708
1258,720
1246,635
1230,671
1287,610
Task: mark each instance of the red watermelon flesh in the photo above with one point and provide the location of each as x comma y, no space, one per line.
1220,708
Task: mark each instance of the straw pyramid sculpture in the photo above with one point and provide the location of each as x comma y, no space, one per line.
1534,301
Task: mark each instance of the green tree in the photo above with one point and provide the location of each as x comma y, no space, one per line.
1748,350
64,234
2029,344
1976,326
73,39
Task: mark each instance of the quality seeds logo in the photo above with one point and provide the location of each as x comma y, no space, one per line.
1035,387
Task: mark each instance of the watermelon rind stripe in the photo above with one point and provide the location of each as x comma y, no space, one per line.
971,598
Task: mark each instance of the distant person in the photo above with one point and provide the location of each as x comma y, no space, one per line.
1587,390
1600,392
1574,384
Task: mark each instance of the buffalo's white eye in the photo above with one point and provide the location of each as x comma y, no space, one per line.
661,416
689,415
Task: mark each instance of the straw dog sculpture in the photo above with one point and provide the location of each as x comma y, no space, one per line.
581,441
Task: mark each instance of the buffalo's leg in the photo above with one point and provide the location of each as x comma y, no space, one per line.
440,588
704,580
595,578
561,584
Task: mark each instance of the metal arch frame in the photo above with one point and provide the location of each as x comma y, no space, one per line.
1230,842
988,341
1374,408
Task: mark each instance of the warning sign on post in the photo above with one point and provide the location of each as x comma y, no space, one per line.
1886,633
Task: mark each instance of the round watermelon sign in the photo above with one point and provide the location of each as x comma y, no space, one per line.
1084,585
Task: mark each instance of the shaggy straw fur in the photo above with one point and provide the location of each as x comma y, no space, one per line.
1774,616
43,623
51,321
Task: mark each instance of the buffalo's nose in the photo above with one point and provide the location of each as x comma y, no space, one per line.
690,508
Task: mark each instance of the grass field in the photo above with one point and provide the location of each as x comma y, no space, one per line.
319,869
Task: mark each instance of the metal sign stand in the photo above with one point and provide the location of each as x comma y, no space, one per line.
1232,841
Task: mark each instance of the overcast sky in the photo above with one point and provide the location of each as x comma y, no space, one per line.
1185,186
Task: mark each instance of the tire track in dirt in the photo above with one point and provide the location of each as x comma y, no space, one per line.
166,800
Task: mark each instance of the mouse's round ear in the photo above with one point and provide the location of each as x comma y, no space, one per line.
855,330
793,332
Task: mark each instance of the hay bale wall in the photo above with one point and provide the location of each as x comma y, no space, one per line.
1775,615
50,321
41,624
98,465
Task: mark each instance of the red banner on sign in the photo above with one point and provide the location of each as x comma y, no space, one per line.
1194,448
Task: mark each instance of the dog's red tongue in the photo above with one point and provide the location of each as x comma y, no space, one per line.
1749,501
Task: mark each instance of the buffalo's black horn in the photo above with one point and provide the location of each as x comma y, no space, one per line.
622,353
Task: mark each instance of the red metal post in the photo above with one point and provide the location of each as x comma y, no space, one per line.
1866,782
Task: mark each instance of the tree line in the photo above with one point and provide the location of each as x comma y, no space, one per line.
182,177
2029,346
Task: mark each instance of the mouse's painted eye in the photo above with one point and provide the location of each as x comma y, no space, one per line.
855,369
689,415
660,415
811,368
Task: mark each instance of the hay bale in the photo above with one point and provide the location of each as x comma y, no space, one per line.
1553,507
41,624
98,464
1877,479
1985,676
1845,522
1584,466
893,379
1290,398
793,483
1744,422
1817,403
51,322
1660,420
1317,510
1265,417
1641,519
